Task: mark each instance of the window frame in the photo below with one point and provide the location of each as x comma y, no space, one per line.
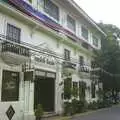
5,81
11,29
74,26
83,30
67,87
75,85
94,38
81,60
93,90
47,11
67,54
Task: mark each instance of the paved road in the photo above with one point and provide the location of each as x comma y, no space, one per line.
109,114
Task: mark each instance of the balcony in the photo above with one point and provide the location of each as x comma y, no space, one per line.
84,68
95,73
84,71
14,53
69,67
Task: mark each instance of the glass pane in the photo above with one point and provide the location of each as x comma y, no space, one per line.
10,86
95,41
71,23
51,9
85,33
13,33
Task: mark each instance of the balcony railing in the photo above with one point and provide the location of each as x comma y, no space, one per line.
84,68
68,64
20,50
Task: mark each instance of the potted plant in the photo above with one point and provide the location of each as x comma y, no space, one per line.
39,112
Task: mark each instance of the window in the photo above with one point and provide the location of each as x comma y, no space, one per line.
82,87
67,54
71,23
84,33
13,33
40,4
10,86
67,88
51,9
75,89
95,41
93,90
81,60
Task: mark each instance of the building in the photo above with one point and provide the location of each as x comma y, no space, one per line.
44,43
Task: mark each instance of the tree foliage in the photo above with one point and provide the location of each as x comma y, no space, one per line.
108,58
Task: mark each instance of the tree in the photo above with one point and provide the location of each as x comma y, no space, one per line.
108,59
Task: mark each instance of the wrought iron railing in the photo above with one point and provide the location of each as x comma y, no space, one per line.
68,64
20,50
84,68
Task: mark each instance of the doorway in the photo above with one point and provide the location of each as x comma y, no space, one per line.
44,93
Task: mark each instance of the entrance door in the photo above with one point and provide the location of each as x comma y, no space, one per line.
44,93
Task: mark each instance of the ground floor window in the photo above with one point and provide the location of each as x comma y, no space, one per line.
82,88
93,90
67,88
75,89
10,86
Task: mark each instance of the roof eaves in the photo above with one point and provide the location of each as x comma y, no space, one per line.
86,16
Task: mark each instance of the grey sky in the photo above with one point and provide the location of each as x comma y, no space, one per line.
106,11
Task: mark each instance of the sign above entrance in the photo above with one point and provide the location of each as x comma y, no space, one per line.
44,59
40,73
45,74
51,75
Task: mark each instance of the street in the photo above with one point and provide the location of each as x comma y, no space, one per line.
109,114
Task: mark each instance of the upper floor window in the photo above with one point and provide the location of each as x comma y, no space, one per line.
66,54
51,9
81,60
13,33
84,33
95,41
71,23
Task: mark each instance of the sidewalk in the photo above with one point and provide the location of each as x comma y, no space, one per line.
78,115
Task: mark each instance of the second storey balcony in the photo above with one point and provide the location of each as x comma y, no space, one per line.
84,71
84,68
69,67
14,53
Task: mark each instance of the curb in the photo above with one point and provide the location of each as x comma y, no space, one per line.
84,114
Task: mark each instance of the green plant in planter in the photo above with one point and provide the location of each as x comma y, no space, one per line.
39,112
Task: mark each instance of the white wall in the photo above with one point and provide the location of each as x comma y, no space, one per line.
37,37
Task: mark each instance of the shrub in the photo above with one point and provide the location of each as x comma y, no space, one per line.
75,106
82,106
93,105
39,111
67,108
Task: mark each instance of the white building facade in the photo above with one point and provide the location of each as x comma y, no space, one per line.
42,43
